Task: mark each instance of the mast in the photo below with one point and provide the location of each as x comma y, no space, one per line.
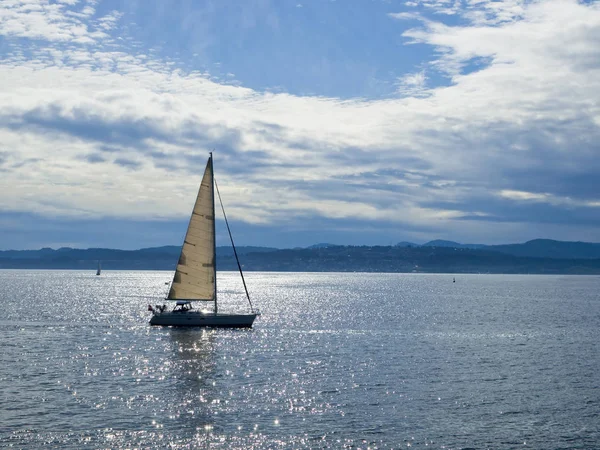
212,184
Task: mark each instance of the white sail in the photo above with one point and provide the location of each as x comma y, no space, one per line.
195,274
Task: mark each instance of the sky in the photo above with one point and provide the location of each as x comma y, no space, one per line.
358,122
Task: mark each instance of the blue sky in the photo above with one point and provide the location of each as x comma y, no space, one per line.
350,122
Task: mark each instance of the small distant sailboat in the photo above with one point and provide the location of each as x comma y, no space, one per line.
99,270
195,278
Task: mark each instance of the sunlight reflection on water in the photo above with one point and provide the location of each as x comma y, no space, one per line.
358,360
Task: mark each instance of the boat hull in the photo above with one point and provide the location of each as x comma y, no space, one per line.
199,319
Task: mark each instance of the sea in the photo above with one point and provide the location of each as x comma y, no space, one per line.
336,360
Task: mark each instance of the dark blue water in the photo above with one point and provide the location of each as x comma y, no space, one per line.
336,360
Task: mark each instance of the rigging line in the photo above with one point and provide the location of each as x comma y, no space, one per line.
232,244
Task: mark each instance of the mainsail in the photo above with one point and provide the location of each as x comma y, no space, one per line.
195,274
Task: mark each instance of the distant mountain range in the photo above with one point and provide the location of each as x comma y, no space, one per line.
537,248
537,256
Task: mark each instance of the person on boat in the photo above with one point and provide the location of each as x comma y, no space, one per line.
180,307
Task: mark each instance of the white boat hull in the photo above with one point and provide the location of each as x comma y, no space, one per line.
202,319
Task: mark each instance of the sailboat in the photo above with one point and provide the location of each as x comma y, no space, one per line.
195,279
99,269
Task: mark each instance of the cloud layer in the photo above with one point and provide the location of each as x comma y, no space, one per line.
495,139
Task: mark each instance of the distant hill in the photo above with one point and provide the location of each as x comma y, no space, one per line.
537,256
407,244
228,251
322,245
410,259
155,258
537,248
548,248
452,244
442,243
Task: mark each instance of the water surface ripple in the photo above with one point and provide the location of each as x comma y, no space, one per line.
336,361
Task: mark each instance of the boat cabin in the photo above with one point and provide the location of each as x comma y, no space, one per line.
182,306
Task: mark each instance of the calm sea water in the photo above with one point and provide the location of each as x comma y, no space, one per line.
335,361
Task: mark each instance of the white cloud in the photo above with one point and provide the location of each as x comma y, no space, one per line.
92,132
54,22
413,84
545,197
477,11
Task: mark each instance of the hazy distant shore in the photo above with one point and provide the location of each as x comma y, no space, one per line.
534,257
